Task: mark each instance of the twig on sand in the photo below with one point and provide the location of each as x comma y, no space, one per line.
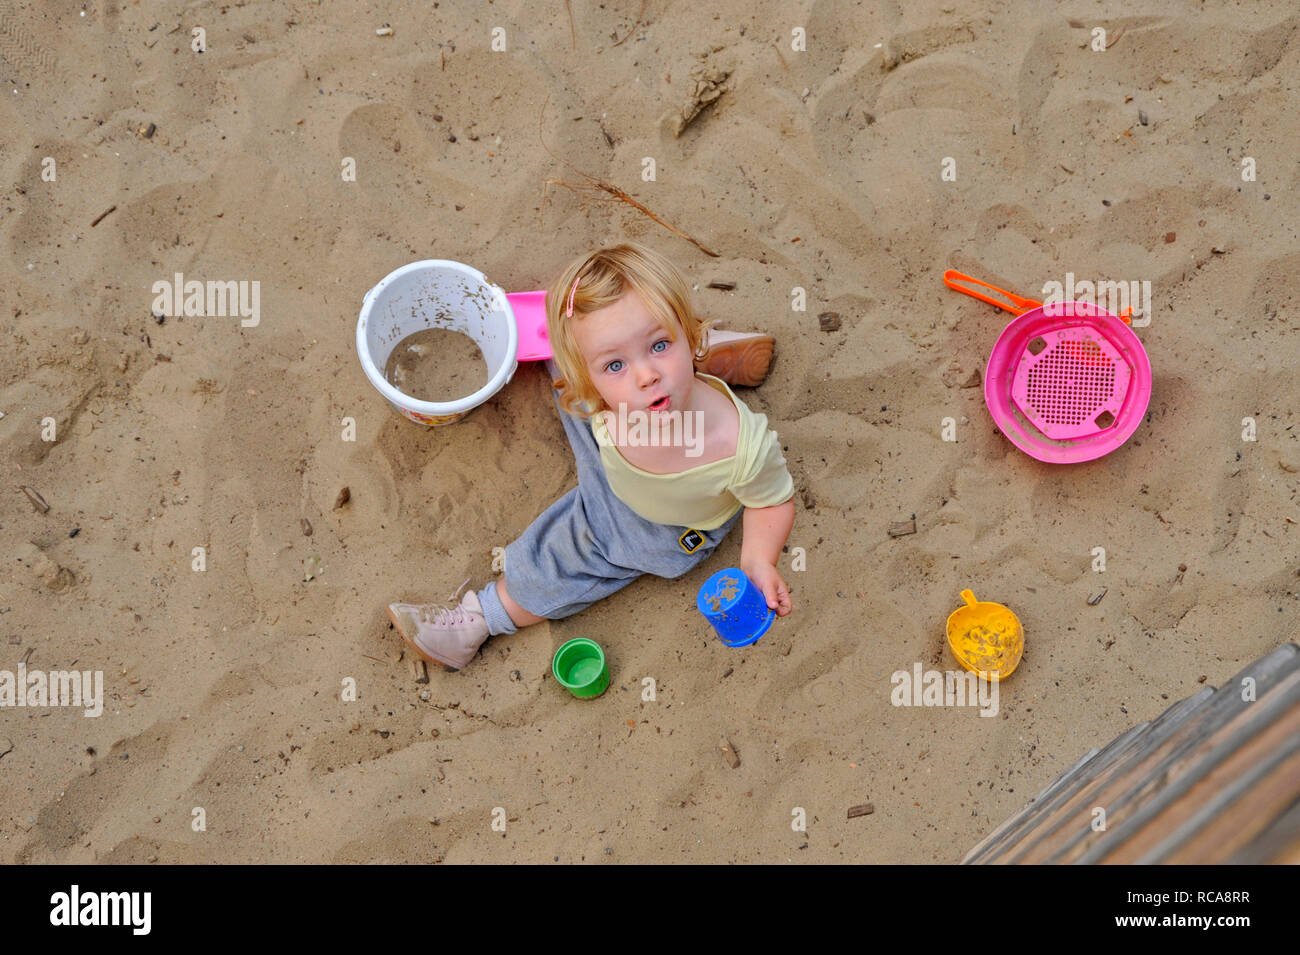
573,36
617,193
780,57
593,187
38,502
635,25
1117,36
103,215
729,753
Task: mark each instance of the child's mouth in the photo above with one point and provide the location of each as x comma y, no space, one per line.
660,405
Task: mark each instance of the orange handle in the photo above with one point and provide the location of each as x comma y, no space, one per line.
951,277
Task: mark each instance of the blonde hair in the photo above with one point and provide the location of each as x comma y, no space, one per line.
602,278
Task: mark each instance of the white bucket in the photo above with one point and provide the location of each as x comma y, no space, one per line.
437,293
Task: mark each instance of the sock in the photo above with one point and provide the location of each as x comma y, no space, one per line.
494,611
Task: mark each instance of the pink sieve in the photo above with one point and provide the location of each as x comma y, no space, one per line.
1066,382
1070,383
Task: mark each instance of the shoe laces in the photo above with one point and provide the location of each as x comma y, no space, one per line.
446,616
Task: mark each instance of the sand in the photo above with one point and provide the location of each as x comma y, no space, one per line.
437,364
819,171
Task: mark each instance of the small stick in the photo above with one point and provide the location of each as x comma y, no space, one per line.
1117,36
599,184
102,215
573,36
634,26
780,57
619,194
729,753
38,502
865,809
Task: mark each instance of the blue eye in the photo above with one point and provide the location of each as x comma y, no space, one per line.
618,361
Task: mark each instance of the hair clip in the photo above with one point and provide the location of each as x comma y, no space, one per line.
568,312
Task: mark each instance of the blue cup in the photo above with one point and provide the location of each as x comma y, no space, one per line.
735,608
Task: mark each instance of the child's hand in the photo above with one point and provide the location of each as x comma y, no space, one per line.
767,579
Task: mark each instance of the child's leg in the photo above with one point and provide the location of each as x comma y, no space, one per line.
555,569
585,547
537,546
520,616
502,612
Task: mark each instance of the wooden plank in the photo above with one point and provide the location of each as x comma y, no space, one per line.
1245,776
1091,790
981,847
1279,844
1262,798
1151,784
1039,830
1154,804
1080,774
1134,779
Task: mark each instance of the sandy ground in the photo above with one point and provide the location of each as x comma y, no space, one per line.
818,169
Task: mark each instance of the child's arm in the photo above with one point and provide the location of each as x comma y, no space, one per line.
766,530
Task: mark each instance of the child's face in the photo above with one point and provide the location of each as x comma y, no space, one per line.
631,359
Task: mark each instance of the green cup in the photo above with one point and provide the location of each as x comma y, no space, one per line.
580,667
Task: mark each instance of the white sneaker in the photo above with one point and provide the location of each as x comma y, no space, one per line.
447,636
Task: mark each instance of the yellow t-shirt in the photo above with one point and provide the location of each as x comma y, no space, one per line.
703,497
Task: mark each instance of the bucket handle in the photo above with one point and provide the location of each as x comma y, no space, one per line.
952,276
969,597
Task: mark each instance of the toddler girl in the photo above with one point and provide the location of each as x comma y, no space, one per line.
626,346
